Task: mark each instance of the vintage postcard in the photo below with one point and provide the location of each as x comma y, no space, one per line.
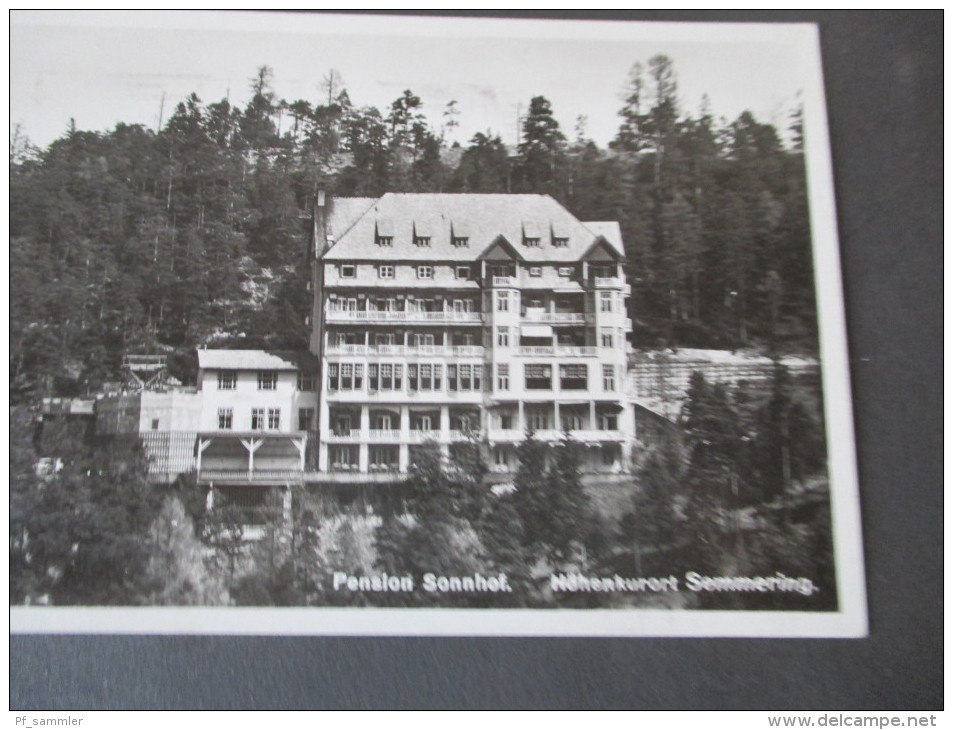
370,324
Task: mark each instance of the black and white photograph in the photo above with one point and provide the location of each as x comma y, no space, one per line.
426,326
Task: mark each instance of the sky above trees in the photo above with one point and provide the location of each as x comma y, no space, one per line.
101,68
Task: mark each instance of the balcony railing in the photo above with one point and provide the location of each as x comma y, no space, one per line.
607,281
344,437
255,476
563,350
510,281
378,435
447,350
361,315
552,434
556,317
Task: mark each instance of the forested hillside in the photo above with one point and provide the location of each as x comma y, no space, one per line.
137,240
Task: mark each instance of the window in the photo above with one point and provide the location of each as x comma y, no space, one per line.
606,338
503,336
421,240
560,242
535,271
267,379
572,377
305,419
423,340
605,301
257,419
499,455
344,457
155,424
225,419
348,271
386,376
345,376
503,376
608,456
385,271
565,271
385,338
506,421
608,422
227,379
531,242
502,301
572,422
425,272
538,421
385,240
425,376
608,378
463,272
383,422
274,418
538,377
306,381
462,305
464,377
460,241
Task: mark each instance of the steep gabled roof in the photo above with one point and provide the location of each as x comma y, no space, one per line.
484,217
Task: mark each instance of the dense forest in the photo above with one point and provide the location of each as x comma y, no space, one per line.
144,240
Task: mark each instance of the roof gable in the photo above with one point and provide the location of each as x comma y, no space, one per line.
500,250
600,250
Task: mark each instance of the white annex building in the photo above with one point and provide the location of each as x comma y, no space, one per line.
443,317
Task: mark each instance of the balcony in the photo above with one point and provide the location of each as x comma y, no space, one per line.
505,281
255,476
345,437
556,317
560,350
506,435
445,350
378,435
360,315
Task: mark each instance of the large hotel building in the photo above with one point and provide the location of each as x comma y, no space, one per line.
437,319
445,317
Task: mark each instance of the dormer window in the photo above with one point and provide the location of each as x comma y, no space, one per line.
384,232
530,234
460,233
560,235
560,242
421,234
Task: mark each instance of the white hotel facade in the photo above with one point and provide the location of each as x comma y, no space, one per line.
439,318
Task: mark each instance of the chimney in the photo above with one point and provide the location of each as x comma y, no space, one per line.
319,219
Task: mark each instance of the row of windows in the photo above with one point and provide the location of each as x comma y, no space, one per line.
386,271
430,376
267,380
539,421
266,419
423,240
425,271
396,304
390,376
